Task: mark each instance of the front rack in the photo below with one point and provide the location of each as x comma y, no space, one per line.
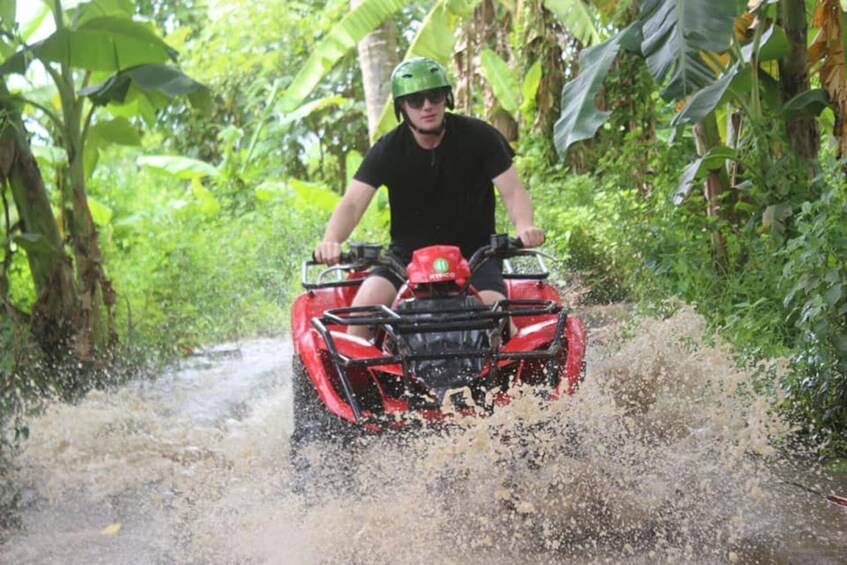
398,325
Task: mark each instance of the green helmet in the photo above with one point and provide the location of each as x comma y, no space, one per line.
416,75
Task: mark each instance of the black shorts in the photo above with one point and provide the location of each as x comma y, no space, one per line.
488,276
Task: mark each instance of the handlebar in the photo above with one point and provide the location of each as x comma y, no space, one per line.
363,256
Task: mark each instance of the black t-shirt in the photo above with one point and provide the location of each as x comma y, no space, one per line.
442,195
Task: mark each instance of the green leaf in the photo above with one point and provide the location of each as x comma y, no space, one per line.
7,13
153,80
773,45
106,44
578,17
462,8
502,80
100,213
31,26
90,157
675,31
209,205
50,155
351,163
530,85
706,100
99,8
340,39
180,167
315,194
810,103
436,37
271,190
834,295
309,108
686,181
698,168
118,130
580,118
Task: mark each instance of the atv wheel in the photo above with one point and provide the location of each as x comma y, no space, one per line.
312,420
315,425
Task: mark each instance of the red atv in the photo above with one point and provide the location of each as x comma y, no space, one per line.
438,352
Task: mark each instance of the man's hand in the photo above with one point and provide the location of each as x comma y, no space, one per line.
531,236
328,252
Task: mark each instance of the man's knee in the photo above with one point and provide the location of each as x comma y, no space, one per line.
374,291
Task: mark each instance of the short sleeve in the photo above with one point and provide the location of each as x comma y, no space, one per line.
498,152
374,170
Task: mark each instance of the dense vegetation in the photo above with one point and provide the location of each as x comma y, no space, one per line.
176,211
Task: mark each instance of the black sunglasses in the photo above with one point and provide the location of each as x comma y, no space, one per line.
416,100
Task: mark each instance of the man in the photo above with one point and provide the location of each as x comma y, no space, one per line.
439,168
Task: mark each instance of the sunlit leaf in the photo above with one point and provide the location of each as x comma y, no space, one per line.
530,85
107,43
352,161
180,167
578,17
337,42
315,194
209,205
7,13
100,213
30,27
51,156
271,190
99,8
309,108
436,37
117,130
502,80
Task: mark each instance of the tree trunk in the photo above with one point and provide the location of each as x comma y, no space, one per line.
54,315
377,58
95,289
707,136
793,79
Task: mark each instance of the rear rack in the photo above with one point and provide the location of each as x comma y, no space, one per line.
398,325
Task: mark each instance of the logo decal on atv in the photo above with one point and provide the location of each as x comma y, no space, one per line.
440,265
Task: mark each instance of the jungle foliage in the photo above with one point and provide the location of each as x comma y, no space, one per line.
181,187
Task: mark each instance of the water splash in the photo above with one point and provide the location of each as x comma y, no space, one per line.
666,453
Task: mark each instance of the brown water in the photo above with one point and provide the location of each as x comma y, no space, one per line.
664,455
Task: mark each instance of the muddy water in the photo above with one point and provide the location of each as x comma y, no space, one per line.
664,455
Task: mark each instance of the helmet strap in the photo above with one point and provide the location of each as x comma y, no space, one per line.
435,131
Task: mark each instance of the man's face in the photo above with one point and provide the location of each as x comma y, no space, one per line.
426,109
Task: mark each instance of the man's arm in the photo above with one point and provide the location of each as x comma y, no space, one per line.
519,207
344,219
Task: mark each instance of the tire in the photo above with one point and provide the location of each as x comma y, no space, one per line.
314,425
312,420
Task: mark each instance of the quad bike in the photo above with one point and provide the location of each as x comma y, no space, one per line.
438,353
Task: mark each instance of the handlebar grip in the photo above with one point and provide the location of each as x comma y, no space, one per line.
516,242
345,257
